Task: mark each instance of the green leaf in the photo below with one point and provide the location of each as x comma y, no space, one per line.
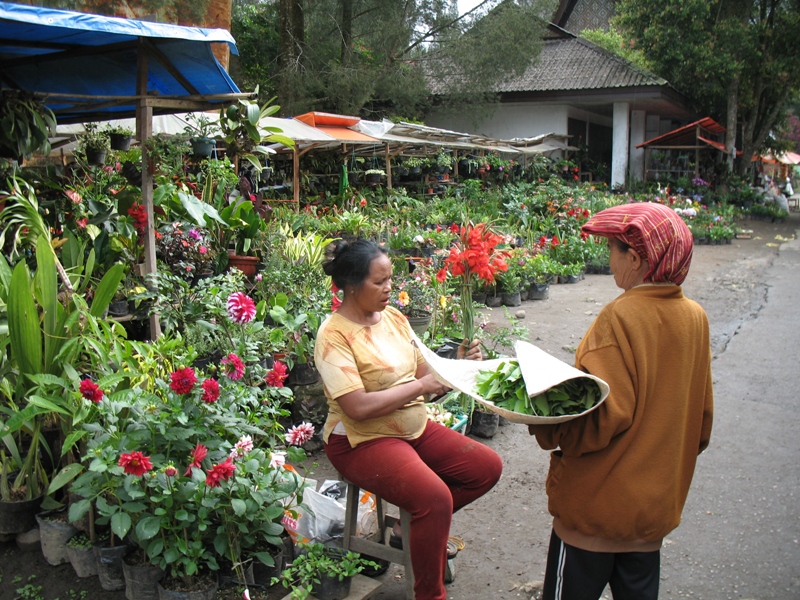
120,524
23,322
148,527
106,289
239,506
78,509
64,476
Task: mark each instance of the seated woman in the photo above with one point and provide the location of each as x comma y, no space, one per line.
378,434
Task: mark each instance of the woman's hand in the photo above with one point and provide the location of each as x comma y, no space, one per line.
471,352
432,386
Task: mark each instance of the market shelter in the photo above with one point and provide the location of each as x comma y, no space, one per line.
678,153
94,68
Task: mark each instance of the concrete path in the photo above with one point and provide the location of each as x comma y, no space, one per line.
740,535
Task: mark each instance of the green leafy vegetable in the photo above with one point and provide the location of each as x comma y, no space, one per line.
505,387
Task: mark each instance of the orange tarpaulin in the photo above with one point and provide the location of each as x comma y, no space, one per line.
336,126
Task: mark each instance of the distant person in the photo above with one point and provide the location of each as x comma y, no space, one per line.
619,476
788,190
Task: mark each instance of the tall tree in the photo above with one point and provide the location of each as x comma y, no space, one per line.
735,59
379,57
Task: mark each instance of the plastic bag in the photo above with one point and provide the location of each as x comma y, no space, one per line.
323,521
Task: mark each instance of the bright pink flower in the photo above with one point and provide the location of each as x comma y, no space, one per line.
210,390
277,375
300,434
91,391
198,454
82,223
241,308
335,302
234,367
170,471
182,381
135,463
220,472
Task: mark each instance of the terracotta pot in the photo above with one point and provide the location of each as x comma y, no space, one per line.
246,264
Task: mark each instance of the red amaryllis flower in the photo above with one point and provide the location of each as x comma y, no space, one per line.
135,463
91,391
475,256
277,375
198,454
182,381
241,308
139,214
220,472
234,367
300,434
335,302
210,390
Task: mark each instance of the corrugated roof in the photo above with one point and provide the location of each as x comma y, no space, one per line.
577,64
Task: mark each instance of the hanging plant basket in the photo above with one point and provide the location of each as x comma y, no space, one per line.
120,141
96,157
202,147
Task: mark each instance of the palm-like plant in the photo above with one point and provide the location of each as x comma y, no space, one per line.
23,219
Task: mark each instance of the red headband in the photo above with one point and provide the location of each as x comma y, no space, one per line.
655,232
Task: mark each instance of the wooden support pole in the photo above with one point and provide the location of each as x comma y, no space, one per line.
296,179
144,129
388,168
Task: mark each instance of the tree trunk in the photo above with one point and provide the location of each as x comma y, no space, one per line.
733,112
292,49
347,30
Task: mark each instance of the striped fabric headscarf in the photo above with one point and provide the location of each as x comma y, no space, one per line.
657,234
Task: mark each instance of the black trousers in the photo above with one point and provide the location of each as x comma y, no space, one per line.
575,574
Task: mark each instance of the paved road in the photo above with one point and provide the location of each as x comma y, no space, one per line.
740,536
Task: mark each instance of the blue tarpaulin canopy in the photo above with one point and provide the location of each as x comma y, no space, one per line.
88,64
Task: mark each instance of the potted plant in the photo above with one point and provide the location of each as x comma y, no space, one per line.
325,573
119,137
444,161
374,175
201,131
415,164
27,125
94,144
81,556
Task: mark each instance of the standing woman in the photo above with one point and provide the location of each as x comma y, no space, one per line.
619,476
378,434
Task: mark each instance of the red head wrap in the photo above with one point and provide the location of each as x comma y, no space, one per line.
657,234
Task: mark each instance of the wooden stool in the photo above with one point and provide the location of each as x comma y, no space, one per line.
377,545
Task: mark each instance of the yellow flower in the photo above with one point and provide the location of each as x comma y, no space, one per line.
443,301
403,298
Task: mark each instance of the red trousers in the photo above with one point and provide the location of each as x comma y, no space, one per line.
431,477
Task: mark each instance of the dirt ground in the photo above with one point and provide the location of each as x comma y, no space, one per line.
507,531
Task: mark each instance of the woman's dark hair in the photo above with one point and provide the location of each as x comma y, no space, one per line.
623,247
348,263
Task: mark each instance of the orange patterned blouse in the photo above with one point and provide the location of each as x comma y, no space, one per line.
350,356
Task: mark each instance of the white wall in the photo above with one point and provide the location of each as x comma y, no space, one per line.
518,120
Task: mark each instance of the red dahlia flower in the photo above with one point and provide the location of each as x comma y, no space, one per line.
277,375
198,454
210,390
182,381
91,391
220,472
135,463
